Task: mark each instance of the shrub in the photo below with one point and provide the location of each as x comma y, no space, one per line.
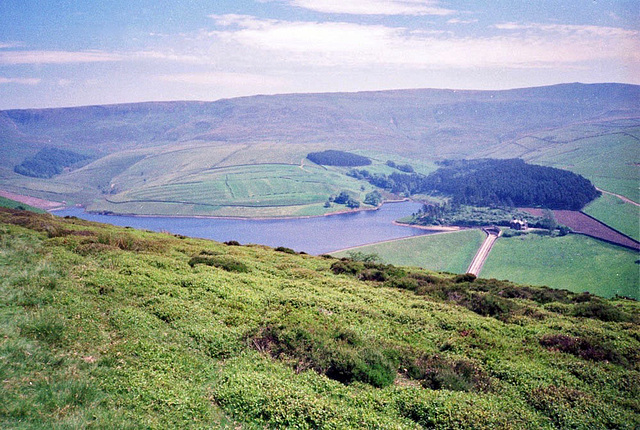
465,277
226,263
580,347
373,275
232,243
375,369
364,257
600,310
347,267
438,373
402,283
285,250
488,305
337,354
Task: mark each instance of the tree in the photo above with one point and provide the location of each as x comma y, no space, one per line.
374,198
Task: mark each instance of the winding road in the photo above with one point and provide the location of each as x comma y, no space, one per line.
481,256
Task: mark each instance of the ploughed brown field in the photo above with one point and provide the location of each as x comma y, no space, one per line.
584,224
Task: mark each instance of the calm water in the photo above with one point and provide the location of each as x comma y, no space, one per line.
312,235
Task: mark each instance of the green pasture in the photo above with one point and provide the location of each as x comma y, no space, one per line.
247,186
447,252
574,262
616,213
608,154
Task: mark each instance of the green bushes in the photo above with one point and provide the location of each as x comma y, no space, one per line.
223,262
338,354
126,339
285,250
439,373
601,310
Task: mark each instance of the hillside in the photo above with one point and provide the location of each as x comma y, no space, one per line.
247,155
107,327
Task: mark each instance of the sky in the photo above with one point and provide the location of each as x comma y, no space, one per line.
56,53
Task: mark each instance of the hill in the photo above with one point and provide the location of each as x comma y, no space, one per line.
107,327
247,155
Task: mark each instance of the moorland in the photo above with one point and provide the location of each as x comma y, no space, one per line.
109,327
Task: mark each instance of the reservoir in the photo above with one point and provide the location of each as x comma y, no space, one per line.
315,235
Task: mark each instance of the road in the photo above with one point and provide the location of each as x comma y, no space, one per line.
481,256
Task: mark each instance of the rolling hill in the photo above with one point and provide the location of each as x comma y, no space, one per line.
245,156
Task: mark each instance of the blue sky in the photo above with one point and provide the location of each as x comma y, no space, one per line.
67,53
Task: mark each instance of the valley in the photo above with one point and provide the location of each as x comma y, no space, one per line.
247,157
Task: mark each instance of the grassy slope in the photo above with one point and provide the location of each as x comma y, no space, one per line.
616,213
202,179
12,204
606,153
447,252
110,328
575,262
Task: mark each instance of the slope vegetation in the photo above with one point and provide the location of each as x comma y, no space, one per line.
107,327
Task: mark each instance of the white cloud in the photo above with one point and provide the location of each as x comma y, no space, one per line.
354,45
373,7
21,81
56,57
461,21
566,29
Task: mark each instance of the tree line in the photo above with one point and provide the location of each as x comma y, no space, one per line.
491,182
332,157
48,162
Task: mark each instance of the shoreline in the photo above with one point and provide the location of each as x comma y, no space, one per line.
444,228
248,218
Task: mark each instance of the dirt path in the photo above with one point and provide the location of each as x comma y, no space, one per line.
623,198
481,256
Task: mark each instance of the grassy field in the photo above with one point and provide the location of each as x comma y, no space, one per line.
196,178
607,154
617,214
103,327
447,252
574,262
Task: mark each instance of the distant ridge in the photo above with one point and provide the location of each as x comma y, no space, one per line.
416,118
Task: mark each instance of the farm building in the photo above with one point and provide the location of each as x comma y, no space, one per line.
519,224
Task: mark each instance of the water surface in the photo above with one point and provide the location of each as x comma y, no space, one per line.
316,235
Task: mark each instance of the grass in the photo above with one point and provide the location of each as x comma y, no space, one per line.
577,263
106,327
255,180
617,214
12,204
606,154
447,252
